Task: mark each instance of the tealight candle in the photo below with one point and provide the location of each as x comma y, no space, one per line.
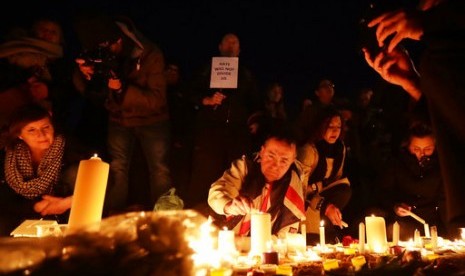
89,193
322,233
330,264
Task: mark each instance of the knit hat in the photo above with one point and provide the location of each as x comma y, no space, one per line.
94,29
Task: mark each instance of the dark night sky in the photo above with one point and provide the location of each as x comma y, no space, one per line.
296,42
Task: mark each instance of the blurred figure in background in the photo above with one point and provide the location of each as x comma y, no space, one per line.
221,133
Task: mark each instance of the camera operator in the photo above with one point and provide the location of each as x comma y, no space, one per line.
122,73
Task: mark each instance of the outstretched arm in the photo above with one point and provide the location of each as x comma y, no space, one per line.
397,68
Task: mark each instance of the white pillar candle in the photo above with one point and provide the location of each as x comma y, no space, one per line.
303,231
434,237
260,232
322,233
89,193
361,238
226,243
376,234
427,234
417,238
295,242
395,233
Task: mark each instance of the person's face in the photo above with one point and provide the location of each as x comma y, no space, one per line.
325,93
49,31
276,158
229,46
38,135
334,130
423,146
116,47
172,74
276,94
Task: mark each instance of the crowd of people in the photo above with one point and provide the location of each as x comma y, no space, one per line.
231,151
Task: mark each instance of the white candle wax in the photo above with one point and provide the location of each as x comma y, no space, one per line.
260,232
89,193
226,241
303,231
361,238
322,233
295,242
395,233
427,233
376,234
434,237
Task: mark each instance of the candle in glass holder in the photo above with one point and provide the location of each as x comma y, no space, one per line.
271,257
89,193
395,233
322,233
260,232
376,234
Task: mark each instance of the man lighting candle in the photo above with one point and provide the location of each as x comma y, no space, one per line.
270,181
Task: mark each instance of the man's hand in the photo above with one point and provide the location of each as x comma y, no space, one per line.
216,99
397,68
398,23
402,210
238,206
334,215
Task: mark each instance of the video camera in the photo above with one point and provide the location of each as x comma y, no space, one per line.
102,59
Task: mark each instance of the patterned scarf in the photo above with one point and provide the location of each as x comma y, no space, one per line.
20,174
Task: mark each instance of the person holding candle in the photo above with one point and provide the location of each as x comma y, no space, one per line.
413,182
323,153
270,181
39,170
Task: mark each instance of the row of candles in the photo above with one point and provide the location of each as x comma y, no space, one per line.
294,247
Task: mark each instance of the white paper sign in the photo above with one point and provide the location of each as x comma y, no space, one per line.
224,72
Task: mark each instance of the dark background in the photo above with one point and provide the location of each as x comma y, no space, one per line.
295,42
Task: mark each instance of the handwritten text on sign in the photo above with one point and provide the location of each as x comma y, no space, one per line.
224,72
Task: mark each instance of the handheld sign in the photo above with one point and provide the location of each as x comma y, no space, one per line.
224,72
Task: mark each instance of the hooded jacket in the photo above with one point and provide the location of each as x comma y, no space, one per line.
143,99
